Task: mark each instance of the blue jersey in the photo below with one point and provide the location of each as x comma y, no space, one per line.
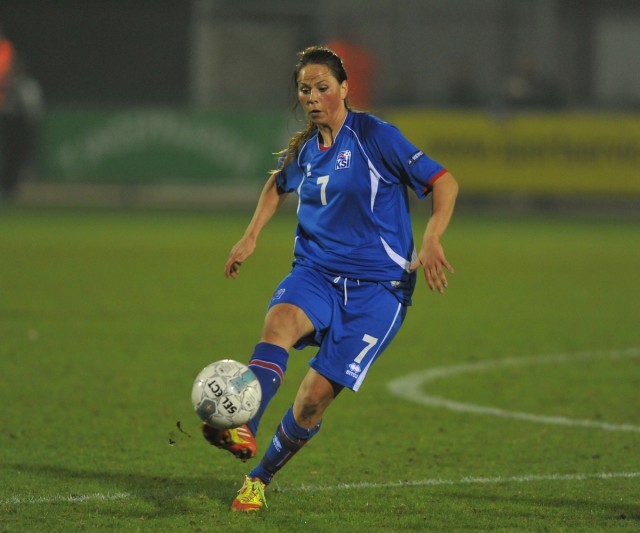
353,208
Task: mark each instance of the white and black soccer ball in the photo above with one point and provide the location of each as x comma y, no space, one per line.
226,394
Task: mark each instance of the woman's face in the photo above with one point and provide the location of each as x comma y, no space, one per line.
321,96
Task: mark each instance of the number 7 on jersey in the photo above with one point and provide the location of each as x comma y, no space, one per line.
323,181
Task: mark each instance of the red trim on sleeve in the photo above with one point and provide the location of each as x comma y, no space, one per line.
433,179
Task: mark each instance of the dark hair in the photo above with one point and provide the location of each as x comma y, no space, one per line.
312,55
320,55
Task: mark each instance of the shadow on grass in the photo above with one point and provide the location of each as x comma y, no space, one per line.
170,495
530,507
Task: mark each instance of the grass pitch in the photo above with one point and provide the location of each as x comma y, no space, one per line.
520,408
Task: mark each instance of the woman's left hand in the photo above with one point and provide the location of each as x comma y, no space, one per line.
435,263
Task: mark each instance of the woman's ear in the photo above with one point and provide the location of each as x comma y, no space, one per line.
344,89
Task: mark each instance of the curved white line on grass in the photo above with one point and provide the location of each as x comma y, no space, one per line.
530,478
409,387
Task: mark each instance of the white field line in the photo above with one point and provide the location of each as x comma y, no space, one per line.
531,478
76,498
410,387
466,481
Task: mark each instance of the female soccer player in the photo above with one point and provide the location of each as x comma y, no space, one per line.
355,262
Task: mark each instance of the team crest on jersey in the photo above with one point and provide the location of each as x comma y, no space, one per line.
344,159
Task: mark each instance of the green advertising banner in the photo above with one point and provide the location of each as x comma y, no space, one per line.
156,145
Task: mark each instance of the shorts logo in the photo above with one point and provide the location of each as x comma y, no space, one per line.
344,159
278,294
415,157
354,370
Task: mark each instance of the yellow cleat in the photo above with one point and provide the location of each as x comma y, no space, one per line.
251,496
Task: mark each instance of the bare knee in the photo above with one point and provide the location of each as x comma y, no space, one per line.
310,409
285,324
314,395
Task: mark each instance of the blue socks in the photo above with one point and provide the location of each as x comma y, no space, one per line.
288,439
268,363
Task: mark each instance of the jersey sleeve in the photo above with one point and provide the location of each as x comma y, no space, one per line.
284,180
404,161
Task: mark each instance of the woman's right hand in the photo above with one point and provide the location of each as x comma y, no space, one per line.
241,251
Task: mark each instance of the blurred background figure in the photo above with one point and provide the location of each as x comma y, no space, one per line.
528,86
21,108
359,62
6,62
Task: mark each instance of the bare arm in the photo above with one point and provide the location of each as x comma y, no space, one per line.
268,204
431,255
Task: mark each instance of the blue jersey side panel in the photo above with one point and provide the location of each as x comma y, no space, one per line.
353,212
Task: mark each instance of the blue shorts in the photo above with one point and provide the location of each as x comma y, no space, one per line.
354,321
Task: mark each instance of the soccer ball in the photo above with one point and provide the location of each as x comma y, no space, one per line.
226,394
